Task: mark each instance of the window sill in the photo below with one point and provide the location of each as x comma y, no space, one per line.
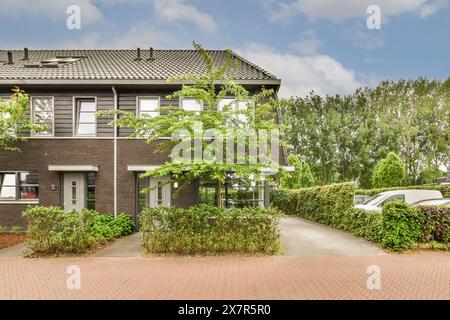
18,202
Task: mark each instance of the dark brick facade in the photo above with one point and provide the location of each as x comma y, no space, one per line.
38,154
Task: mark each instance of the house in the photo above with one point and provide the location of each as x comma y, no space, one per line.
81,161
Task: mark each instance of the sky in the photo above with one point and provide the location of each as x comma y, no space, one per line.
329,46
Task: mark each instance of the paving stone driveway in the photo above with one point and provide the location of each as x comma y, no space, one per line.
411,276
301,237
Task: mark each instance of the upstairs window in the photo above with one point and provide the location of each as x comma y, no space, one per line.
85,120
148,107
190,104
19,186
43,112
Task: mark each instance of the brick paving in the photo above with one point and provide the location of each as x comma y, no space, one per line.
410,276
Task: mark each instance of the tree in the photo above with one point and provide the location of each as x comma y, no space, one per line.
222,125
302,176
389,172
14,120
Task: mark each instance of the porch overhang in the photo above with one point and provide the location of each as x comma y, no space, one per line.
73,168
142,168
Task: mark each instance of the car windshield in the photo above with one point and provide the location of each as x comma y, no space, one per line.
374,200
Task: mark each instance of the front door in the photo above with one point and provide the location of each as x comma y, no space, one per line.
74,191
160,196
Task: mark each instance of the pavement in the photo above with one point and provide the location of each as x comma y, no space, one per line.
123,247
301,237
409,276
15,251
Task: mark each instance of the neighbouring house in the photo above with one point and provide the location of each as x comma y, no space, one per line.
81,161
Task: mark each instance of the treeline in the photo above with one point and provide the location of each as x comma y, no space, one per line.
343,137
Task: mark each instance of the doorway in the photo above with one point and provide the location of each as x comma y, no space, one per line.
74,191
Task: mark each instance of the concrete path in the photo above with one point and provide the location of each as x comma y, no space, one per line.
123,247
13,252
301,237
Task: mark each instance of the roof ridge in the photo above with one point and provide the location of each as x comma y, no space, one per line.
253,65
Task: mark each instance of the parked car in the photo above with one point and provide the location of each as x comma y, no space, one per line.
377,202
433,202
358,199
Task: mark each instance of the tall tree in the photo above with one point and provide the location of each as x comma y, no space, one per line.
223,125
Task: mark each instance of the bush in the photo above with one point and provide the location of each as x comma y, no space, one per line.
388,172
300,178
52,231
436,224
401,226
209,230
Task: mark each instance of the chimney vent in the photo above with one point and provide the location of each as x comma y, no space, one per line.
151,58
138,57
25,54
10,57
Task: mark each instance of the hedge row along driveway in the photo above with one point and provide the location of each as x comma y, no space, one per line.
398,228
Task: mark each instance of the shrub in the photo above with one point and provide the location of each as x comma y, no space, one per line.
436,224
300,178
388,172
401,226
54,231
209,230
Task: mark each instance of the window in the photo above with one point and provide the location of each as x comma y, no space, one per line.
190,104
90,194
42,112
9,128
229,103
236,193
85,121
19,186
399,197
235,106
148,107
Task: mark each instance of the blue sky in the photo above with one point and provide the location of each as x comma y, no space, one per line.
321,45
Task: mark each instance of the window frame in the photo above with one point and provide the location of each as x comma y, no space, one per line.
139,98
32,114
75,121
18,185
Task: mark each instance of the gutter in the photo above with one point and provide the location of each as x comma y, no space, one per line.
116,102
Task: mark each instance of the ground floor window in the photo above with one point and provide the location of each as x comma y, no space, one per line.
90,192
236,193
19,186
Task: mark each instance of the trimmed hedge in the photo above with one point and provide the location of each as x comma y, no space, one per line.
209,230
52,231
445,190
398,227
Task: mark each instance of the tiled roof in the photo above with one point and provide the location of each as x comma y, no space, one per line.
118,65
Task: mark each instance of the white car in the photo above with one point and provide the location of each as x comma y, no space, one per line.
433,202
409,196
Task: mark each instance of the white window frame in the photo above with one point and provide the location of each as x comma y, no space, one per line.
38,134
191,98
17,186
139,98
75,115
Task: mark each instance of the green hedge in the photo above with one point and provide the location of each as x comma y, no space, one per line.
398,227
209,230
445,190
52,231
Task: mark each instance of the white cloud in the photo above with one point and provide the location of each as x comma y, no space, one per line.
339,10
177,10
431,8
300,75
141,35
308,44
50,9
